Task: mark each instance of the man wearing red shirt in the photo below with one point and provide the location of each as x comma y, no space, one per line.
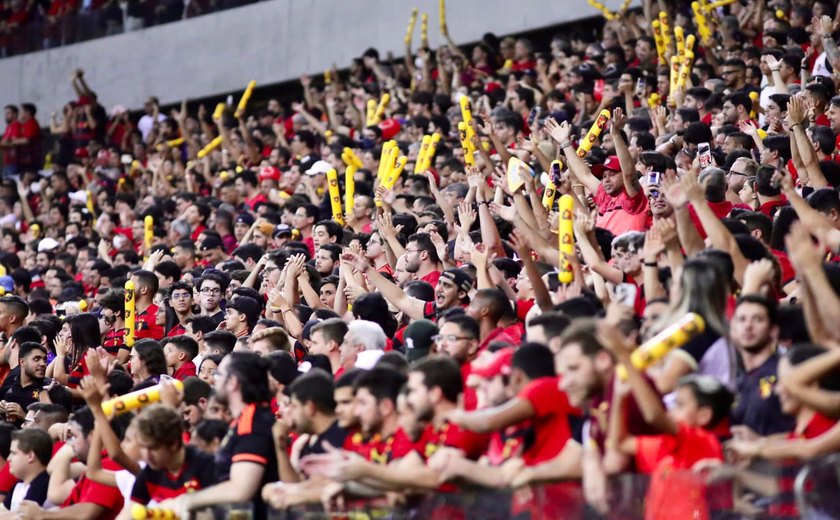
487,307
248,186
28,144
421,258
13,132
180,352
622,204
196,216
543,420
434,385
714,180
459,339
145,287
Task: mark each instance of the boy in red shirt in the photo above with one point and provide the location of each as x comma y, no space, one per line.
702,403
180,352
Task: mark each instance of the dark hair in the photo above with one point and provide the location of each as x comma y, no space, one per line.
204,324
424,243
169,269
441,372
195,389
333,229
779,144
769,305
709,392
114,300
222,339
252,373
535,360
757,220
185,344
553,324
373,307
466,324
497,303
382,383
764,175
16,305
316,387
160,424
148,280
151,354
583,333
35,441
333,329
26,334
26,348
84,331
210,430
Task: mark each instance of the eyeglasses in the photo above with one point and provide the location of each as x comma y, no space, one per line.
214,290
440,338
108,319
181,296
412,250
728,72
733,172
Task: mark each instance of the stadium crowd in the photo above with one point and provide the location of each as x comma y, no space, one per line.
490,266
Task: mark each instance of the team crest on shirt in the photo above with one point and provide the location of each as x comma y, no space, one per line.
765,386
191,485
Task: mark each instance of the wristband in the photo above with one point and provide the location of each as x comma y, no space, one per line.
826,35
565,145
650,264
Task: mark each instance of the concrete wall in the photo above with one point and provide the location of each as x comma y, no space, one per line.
270,42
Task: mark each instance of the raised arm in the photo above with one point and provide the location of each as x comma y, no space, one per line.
561,133
584,225
412,307
628,166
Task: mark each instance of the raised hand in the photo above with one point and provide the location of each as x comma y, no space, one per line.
559,132
796,110
506,212
466,215
673,191
618,120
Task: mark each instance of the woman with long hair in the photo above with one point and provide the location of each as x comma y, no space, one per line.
701,286
79,333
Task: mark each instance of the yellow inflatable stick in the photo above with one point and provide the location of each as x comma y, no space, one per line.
335,196
594,131
130,317
674,336
566,236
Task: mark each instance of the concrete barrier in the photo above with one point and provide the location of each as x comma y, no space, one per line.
271,42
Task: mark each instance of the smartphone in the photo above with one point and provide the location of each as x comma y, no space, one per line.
556,173
625,294
641,86
653,179
704,152
126,159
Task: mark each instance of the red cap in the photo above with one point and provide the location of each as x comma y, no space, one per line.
271,173
499,364
390,128
491,87
612,163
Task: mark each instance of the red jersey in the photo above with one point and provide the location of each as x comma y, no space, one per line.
184,371
13,131
550,423
432,278
472,444
106,497
675,491
146,326
395,446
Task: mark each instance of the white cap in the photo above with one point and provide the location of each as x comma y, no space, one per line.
366,359
319,167
47,244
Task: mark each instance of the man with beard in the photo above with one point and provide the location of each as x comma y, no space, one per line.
421,258
246,460
754,331
326,259
17,393
621,205
311,414
452,289
459,339
112,320
172,468
587,376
